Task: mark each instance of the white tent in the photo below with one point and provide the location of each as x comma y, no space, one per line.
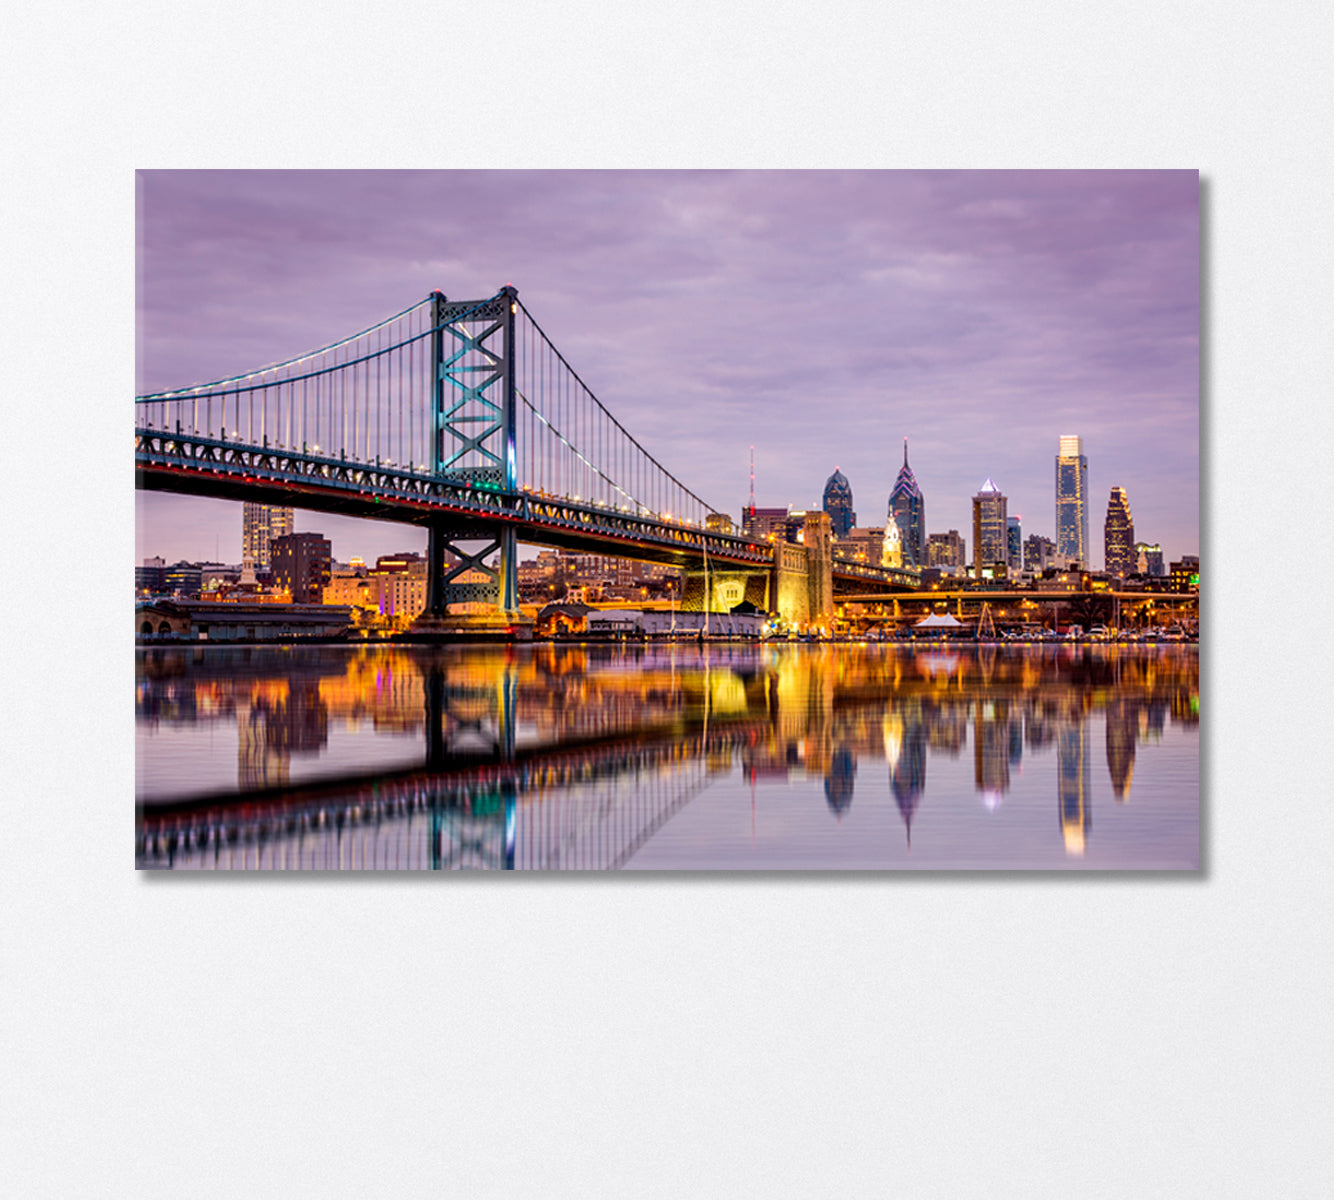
939,621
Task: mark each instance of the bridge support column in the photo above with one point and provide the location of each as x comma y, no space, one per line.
818,538
791,595
479,593
459,574
474,429
804,576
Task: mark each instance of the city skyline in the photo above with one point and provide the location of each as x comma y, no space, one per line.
980,314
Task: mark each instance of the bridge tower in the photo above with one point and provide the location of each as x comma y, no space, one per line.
473,440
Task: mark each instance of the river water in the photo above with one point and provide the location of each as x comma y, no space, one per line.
672,757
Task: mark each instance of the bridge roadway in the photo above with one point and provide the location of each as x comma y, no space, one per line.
190,464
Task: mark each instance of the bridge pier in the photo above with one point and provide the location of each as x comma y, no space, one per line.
804,576
457,581
473,440
798,586
463,591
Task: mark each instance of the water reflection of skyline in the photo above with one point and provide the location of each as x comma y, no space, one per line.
797,713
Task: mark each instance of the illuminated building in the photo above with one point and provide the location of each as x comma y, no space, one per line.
1014,543
891,550
946,550
838,504
1072,518
1149,559
148,579
302,564
908,509
185,580
399,581
351,589
716,522
403,593
989,529
260,524
1185,575
1039,552
1118,536
863,544
764,524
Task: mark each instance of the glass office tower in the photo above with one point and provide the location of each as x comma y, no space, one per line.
1072,515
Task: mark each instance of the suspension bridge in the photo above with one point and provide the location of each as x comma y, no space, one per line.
464,417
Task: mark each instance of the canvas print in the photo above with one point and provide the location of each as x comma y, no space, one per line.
667,520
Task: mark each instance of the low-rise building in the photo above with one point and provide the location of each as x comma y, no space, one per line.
352,589
215,621
863,544
1039,552
764,524
182,580
1185,575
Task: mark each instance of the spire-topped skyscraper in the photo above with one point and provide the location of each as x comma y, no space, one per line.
907,510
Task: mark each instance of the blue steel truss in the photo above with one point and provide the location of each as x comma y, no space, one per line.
472,403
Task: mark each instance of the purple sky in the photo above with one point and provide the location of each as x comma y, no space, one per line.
821,316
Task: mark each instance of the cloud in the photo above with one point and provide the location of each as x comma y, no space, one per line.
821,316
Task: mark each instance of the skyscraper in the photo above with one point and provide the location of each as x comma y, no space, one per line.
989,529
1072,517
838,503
1118,536
1014,542
260,524
908,509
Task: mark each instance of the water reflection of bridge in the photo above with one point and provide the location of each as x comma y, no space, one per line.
573,808
562,757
